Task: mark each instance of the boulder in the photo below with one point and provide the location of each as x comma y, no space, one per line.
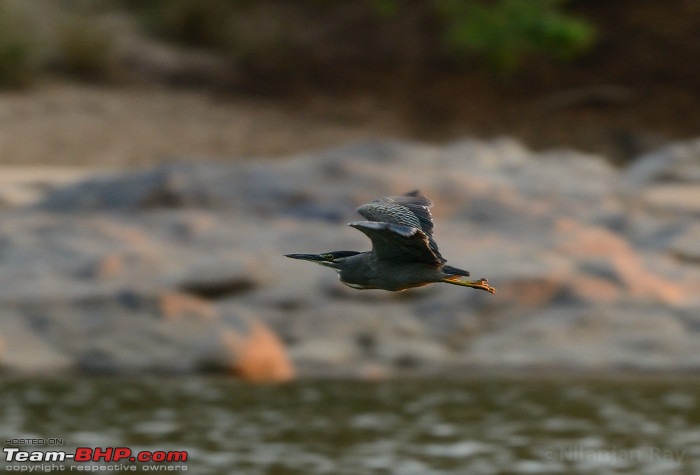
675,163
257,355
181,268
686,246
23,350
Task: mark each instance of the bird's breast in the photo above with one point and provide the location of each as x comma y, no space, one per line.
357,286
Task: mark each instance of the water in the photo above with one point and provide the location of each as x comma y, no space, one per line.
425,427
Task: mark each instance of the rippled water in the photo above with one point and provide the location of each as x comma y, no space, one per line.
348,427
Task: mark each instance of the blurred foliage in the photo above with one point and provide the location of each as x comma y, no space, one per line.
302,39
72,42
386,8
85,50
507,31
17,52
200,23
263,37
501,32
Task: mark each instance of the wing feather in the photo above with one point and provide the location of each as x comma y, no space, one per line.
398,243
411,209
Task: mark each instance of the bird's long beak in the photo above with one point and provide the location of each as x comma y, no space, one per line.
307,257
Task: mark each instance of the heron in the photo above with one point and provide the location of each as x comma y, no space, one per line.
404,254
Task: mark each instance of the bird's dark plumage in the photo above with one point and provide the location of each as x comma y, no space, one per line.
399,243
411,210
404,253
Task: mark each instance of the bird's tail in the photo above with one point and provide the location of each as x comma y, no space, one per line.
453,271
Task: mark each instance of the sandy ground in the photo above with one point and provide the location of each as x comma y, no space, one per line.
126,127
58,133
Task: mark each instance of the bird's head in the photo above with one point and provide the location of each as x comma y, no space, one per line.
333,259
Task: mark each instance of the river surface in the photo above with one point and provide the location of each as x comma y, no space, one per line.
416,426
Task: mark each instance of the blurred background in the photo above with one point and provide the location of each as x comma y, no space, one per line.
159,157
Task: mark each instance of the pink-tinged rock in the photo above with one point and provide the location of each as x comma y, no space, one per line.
581,240
594,289
257,356
587,242
686,246
589,273
643,283
23,351
531,292
676,198
179,305
108,266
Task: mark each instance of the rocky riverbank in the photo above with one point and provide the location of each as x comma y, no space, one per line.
180,268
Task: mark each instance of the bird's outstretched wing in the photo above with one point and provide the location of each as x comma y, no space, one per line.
411,210
399,243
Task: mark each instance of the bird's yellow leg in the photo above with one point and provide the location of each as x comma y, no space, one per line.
482,284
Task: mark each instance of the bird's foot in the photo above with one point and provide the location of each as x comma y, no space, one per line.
482,284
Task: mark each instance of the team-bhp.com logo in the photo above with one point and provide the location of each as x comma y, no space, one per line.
97,454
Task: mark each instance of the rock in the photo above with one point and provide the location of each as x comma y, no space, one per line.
109,266
21,186
686,246
14,195
680,199
624,264
170,186
23,351
323,355
532,291
181,268
178,305
573,175
597,338
594,290
678,162
255,356
221,277
576,239
413,353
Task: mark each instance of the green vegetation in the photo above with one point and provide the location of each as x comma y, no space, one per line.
302,39
199,23
502,33
508,31
17,64
72,43
86,51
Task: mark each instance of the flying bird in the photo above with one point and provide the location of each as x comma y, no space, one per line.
404,253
